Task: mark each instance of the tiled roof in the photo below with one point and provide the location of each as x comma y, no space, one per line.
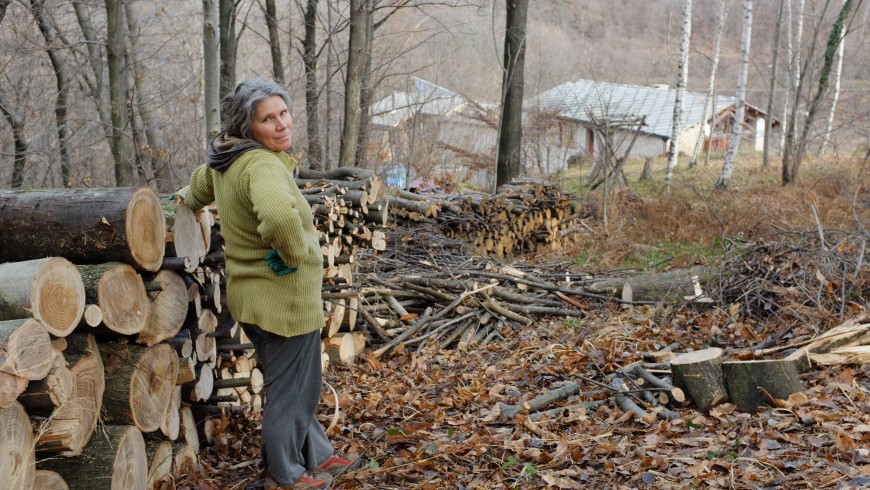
428,99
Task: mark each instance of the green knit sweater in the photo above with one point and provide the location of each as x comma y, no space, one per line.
261,209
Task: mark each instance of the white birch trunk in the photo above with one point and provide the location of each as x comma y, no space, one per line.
682,75
737,129
709,106
786,100
211,68
835,97
771,96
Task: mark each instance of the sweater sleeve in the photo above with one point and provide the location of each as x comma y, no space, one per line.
200,192
280,224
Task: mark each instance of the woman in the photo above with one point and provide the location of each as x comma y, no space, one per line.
274,274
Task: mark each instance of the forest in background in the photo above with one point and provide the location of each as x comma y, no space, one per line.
454,44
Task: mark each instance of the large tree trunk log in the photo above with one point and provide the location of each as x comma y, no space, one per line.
120,292
139,383
72,424
753,383
115,459
667,287
17,459
168,309
25,349
699,373
49,480
49,289
86,226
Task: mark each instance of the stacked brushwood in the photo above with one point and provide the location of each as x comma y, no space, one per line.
524,217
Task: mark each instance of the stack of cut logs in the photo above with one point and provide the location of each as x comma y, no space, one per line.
526,216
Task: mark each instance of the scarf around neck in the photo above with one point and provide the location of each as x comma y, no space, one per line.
225,148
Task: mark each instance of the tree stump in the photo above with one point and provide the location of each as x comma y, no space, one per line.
86,226
70,426
168,309
120,292
49,480
747,381
699,374
115,458
139,383
17,459
49,289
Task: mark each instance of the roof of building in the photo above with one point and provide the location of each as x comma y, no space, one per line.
572,100
427,99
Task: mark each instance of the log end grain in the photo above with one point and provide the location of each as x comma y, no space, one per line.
152,386
49,480
58,296
17,458
146,229
123,299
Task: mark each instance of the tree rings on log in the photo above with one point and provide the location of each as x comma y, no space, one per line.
139,383
49,480
17,459
168,309
753,383
699,374
159,455
25,348
49,289
86,226
120,292
114,459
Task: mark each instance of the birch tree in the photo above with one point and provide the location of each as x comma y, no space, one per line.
768,120
510,127
682,76
721,16
835,97
739,112
211,68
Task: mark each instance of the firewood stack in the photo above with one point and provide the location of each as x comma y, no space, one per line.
524,217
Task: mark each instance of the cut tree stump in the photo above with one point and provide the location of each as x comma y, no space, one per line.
48,289
70,426
17,459
120,292
747,382
25,348
168,309
86,226
699,374
139,383
49,480
114,459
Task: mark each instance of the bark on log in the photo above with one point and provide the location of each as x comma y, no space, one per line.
25,348
747,381
49,289
168,309
139,383
699,374
120,292
72,424
159,456
17,459
44,396
114,459
666,287
86,226
344,348
49,480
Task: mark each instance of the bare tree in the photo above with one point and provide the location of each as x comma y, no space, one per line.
510,127
211,71
62,79
275,41
310,56
682,76
121,150
835,97
739,113
353,83
721,17
768,120
229,45
16,122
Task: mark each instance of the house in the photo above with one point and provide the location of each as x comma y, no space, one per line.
577,106
433,132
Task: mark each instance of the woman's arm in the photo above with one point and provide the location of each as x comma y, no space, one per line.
200,192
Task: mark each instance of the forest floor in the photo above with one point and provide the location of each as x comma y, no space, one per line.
431,419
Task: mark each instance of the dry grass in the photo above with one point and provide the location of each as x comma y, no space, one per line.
692,222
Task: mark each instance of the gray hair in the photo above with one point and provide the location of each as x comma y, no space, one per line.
239,106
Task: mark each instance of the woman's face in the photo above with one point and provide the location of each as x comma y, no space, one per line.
272,124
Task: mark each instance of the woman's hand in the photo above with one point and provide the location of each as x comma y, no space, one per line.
276,263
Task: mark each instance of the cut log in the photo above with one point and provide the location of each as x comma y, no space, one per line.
49,480
93,316
139,383
344,348
171,424
120,292
17,459
200,389
699,374
86,226
25,348
49,289
168,309
188,429
205,344
185,458
44,396
159,455
186,235
72,424
667,287
747,382
114,459
850,333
